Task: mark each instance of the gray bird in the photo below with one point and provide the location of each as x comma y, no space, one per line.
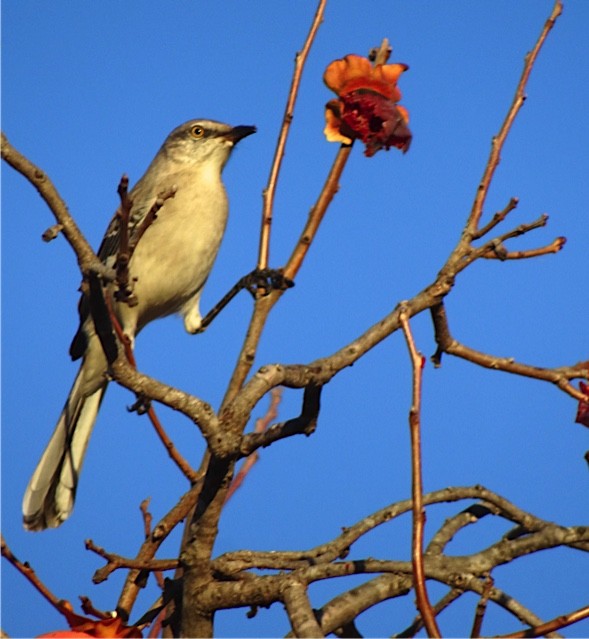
169,267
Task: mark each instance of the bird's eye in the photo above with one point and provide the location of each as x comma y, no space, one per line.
197,131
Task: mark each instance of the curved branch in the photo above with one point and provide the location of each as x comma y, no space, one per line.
87,259
559,376
304,424
233,562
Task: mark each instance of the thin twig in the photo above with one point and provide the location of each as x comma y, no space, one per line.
317,213
455,524
173,452
265,280
150,216
146,515
265,304
499,139
117,561
52,232
90,609
559,376
554,247
147,520
270,190
261,426
482,608
449,598
305,424
29,574
496,219
554,624
150,546
129,238
423,602
123,214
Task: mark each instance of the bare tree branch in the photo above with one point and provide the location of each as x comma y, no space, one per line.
270,190
423,603
299,610
87,259
499,139
559,376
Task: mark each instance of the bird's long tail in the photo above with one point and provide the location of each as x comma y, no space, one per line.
49,497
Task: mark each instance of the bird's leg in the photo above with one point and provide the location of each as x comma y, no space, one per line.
258,282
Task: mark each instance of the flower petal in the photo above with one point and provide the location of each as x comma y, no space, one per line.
333,124
339,72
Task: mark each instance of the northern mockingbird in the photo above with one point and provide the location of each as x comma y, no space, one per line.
169,267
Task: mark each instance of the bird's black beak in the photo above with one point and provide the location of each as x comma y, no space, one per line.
237,133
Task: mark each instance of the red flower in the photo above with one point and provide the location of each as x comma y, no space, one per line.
367,106
583,409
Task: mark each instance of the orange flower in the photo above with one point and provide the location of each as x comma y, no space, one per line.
86,627
367,106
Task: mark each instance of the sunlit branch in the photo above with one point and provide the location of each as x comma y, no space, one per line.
557,623
87,259
270,190
499,140
423,602
481,608
559,376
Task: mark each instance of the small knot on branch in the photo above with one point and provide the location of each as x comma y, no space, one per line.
52,232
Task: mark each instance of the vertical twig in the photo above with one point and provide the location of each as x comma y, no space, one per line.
423,603
270,190
481,608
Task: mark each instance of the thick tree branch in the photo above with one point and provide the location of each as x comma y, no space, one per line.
537,531
298,608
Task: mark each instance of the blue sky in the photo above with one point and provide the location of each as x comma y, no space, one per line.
90,90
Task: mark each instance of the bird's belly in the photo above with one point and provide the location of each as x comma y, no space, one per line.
164,280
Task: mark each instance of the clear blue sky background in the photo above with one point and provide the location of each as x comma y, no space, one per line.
91,89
